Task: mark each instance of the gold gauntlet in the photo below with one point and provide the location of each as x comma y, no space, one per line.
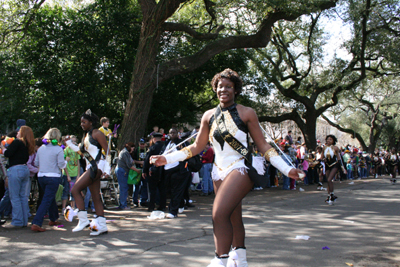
187,152
270,153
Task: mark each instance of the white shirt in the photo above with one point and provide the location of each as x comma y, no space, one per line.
172,146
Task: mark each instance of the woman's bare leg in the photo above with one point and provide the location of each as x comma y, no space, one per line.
227,212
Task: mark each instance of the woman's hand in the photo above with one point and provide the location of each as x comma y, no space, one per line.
159,160
296,174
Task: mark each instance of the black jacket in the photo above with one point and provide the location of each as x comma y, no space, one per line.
155,149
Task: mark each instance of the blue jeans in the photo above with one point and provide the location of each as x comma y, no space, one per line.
66,190
87,199
18,181
349,174
207,181
362,172
141,188
122,176
50,187
307,178
286,182
5,204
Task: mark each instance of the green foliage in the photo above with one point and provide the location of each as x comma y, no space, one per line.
71,61
185,97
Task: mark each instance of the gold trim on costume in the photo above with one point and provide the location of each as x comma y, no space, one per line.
230,165
229,123
187,152
270,153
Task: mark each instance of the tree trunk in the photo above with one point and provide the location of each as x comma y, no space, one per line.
144,82
309,132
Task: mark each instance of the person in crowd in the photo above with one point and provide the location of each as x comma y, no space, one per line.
376,163
70,173
368,162
392,160
176,176
50,161
288,138
362,169
181,132
5,203
304,166
312,169
355,161
154,175
33,170
332,158
155,130
207,160
231,181
125,163
320,168
18,153
105,123
346,155
139,154
96,166
163,135
349,168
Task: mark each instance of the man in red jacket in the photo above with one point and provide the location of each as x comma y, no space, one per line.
207,159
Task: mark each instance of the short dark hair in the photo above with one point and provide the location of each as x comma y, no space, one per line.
232,75
103,120
333,137
129,145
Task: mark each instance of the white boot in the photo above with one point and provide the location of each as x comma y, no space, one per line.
218,262
237,258
98,226
70,213
83,221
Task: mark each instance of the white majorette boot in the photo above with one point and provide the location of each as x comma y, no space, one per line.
83,221
70,213
218,262
237,258
98,226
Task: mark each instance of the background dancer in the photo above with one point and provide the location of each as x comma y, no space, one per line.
96,166
332,159
392,161
231,181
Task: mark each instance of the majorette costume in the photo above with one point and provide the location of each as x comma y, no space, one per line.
91,150
228,159
331,159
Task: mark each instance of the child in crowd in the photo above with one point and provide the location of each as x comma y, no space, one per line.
70,172
105,123
349,168
305,166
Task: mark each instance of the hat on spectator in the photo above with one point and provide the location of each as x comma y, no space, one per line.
141,141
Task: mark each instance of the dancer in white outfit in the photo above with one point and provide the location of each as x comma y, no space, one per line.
231,180
90,148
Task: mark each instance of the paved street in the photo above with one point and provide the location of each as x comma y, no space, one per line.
362,228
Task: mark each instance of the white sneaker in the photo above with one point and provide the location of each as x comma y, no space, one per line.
180,210
170,216
217,262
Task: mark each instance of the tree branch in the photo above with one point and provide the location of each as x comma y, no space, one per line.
173,27
346,130
259,39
